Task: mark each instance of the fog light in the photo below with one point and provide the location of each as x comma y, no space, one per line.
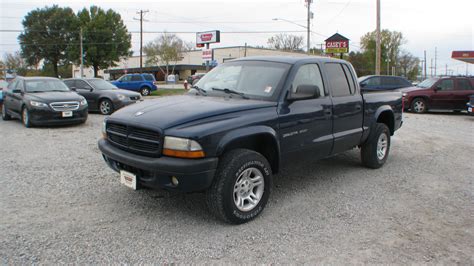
174,181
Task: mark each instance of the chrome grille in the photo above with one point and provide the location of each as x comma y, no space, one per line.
64,106
134,139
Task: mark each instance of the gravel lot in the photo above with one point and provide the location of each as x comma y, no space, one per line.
60,203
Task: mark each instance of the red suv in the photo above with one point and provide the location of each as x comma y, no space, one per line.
447,93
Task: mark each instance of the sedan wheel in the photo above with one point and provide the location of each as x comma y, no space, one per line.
5,116
105,107
25,117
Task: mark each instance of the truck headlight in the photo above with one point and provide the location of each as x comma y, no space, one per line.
404,94
38,104
104,129
182,148
121,97
83,101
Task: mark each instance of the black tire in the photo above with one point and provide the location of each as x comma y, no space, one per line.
221,195
5,115
25,117
145,91
106,107
369,150
418,105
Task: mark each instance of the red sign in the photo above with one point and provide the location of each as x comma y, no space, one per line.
208,37
207,55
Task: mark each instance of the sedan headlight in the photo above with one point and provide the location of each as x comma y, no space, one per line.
38,104
121,97
83,101
182,148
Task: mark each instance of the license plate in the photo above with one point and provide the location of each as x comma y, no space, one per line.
128,179
67,114
469,109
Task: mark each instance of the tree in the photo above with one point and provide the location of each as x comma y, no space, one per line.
15,63
48,34
105,38
287,42
391,42
360,62
408,65
165,50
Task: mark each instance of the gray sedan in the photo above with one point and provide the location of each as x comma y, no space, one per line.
101,95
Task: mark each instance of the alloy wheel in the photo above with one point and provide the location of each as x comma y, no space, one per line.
248,189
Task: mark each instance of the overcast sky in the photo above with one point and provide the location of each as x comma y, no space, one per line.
425,24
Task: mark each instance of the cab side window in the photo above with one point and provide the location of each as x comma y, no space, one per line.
338,80
125,78
82,85
137,78
446,84
464,84
308,75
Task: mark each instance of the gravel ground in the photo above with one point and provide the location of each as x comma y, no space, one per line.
59,203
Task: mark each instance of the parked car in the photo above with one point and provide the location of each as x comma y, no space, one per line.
43,101
470,105
195,78
3,87
378,83
101,95
447,93
143,83
229,141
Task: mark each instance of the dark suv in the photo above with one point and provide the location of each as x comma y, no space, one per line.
378,83
447,93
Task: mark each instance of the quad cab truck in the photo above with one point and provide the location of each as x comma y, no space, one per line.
241,122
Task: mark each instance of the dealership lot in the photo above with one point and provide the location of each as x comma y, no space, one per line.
60,203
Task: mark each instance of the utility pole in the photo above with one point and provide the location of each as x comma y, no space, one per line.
308,44
378,49
82,55
431,67
436,55
141,12
388,66
446,69
425,63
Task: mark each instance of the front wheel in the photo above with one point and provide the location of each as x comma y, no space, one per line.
145,91
374,151
5,115
418,105
25,117
241,187
106,107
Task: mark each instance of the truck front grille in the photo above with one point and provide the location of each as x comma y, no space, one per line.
134,139
64,106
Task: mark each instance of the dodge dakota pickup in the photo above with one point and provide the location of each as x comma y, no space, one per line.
238,125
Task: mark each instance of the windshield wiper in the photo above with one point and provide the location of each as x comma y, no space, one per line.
229,91
200,90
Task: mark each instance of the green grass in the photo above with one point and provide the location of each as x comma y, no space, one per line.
166,92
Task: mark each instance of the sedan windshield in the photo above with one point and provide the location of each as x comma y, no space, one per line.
43,85
249,79
101,84
427,83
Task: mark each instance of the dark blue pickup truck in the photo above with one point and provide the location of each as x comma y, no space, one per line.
241,122
143,83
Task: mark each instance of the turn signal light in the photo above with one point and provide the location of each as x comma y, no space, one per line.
183,154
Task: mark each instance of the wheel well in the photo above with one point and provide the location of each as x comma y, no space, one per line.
261,143
386,117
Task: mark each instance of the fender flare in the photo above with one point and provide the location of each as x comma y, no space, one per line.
241,133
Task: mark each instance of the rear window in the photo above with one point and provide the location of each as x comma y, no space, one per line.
464,84
149,77
337,78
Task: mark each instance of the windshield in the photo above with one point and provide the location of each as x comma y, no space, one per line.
427,83
42,85
255,79
101,84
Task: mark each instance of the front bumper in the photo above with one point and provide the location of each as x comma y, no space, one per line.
120,104
49,117
193,174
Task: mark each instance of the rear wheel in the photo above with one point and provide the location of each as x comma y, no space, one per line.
106,107
25,117
145,91
241,187
5,115
375,151
418,105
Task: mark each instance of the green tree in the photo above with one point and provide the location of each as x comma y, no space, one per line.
48,34
105,38
165,50
391,42
360,62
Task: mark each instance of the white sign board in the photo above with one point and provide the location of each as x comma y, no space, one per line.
208,37
206,54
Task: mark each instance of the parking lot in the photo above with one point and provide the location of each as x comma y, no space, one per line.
60,203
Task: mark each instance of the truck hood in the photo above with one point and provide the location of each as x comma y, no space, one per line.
171,111
54,96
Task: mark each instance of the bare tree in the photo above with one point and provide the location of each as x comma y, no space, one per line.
287,42
15,62
165,50
408,65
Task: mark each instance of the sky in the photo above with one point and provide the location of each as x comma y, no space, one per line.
425,24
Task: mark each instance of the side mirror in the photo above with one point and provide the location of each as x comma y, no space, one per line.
73,88
16,91
303,92
363,84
